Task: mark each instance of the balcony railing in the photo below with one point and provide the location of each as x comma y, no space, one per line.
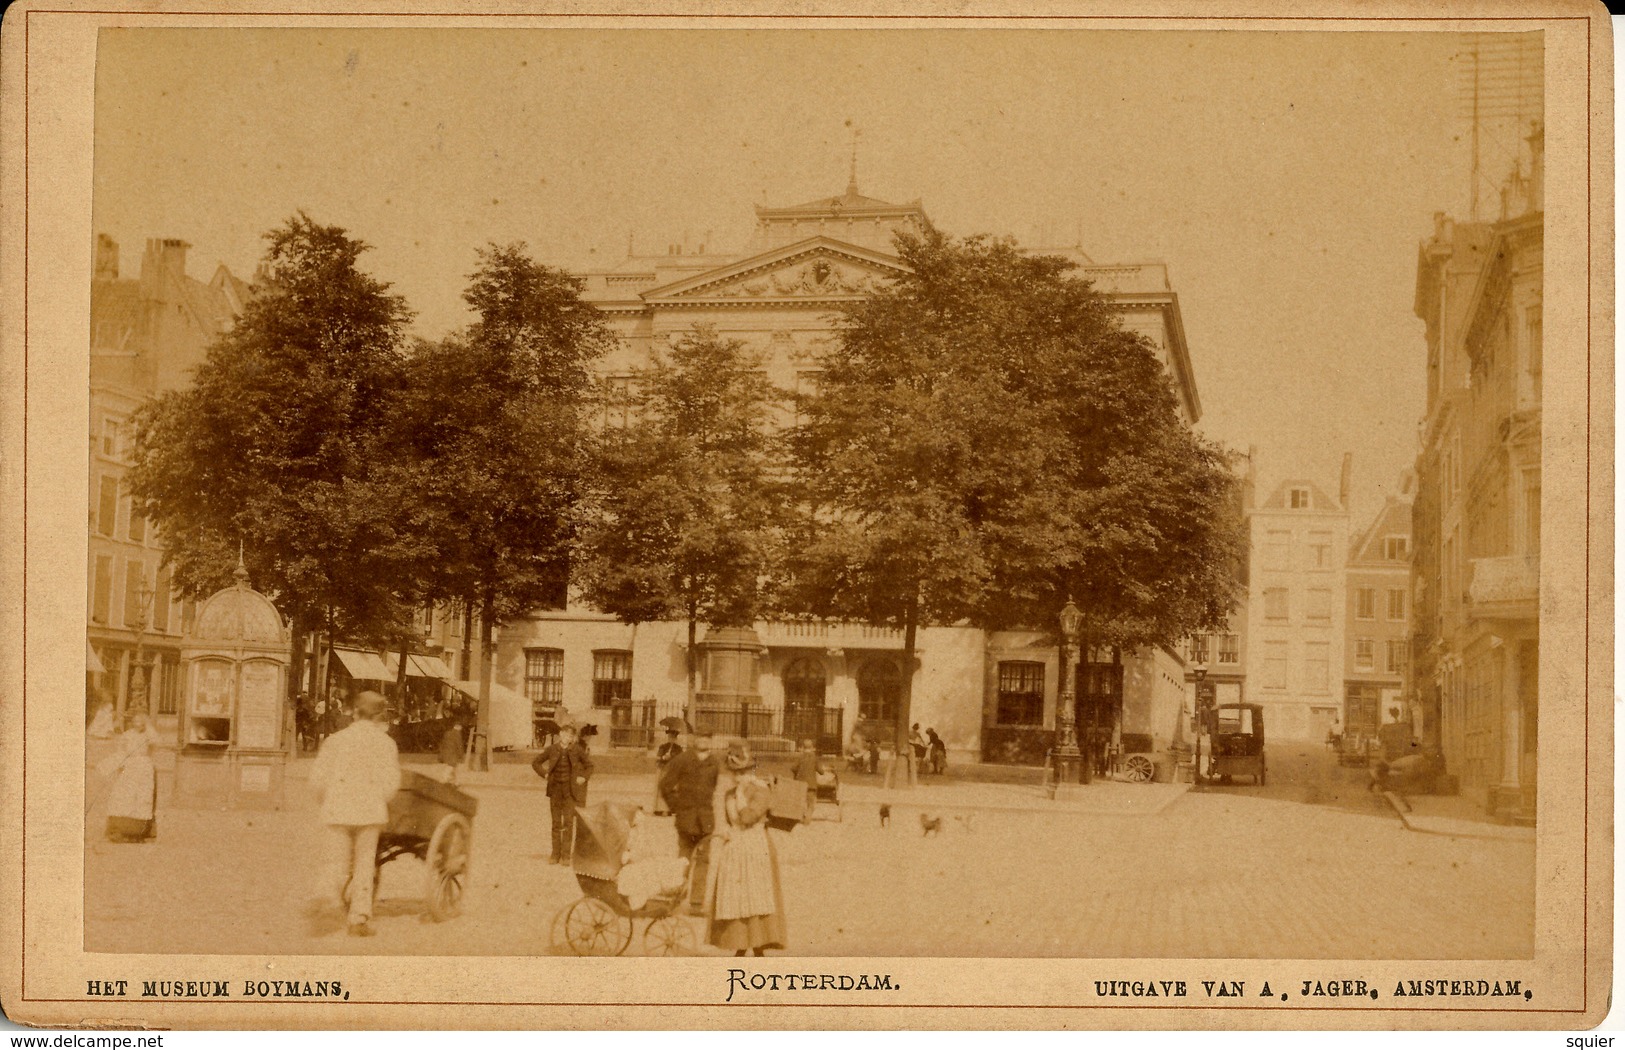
823,634
1501,582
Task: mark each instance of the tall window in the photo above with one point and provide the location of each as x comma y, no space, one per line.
1275,606
107,506
1316,666
1198,648
112,437
101,602
1396,603
1365,654
620,400
1274,665
135,578
1398,656
544,677
879,688
1320,550
169,682
1277,550
138,525
1319,605
611,676
1229,649
1021,693
1365,603
160,602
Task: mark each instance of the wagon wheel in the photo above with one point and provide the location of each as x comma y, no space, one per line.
447,858
670,935
592,927
1139,769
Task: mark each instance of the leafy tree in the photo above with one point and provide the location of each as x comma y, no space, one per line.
273,448
682,528
492,439
985,440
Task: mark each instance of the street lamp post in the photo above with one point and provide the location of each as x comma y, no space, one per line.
1066,758
1203,716
138,679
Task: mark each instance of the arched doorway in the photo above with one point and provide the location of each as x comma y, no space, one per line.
804,686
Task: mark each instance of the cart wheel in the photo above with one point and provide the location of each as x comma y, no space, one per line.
592,927
1139,769
669,936
447,858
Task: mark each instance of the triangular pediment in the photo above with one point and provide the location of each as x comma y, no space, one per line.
816,269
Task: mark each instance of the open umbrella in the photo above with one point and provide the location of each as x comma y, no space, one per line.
674,722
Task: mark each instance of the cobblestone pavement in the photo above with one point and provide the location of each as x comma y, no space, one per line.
1304,868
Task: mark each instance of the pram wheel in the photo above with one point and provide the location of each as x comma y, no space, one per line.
669,936
592,927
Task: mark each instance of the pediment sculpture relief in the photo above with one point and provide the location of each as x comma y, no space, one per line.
818,277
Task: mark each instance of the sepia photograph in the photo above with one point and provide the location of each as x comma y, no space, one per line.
795,514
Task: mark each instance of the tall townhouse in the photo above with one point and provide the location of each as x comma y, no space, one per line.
1296,609
1377,649
1476,576
146,334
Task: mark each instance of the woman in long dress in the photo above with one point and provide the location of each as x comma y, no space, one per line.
747,904
132,802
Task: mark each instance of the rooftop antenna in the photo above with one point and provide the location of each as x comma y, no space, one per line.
1499,90
852,180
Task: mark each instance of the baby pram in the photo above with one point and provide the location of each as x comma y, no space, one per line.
601,922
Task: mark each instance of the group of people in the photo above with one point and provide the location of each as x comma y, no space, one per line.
927,750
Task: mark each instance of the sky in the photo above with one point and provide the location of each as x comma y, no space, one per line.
1286,179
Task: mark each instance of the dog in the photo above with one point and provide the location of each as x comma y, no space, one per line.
930,825
885,814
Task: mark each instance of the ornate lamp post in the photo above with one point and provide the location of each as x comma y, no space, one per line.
1204,705
1066,758
138,670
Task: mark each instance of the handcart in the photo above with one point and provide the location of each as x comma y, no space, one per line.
433,822
602,921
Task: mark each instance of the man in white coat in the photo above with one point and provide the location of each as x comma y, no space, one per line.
355,773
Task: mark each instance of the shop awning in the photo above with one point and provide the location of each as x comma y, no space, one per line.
363,665
93,663
419,666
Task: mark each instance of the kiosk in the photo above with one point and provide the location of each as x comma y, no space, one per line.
233,736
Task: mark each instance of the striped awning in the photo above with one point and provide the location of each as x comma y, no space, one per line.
363,665
419,666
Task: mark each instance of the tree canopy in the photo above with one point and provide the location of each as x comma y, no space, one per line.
988,439
682,527
273,447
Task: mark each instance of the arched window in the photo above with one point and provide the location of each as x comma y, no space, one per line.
880,687
804,684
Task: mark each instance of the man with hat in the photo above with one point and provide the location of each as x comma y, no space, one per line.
355,774
566,767
688,785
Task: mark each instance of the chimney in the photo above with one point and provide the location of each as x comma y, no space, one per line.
162,254
106,258
1249,479
1343,482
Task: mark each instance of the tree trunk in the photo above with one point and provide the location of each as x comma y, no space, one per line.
296,681
688,707
400,675
903,750
482,724
468,638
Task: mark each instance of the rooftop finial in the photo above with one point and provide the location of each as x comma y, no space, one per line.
240,574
